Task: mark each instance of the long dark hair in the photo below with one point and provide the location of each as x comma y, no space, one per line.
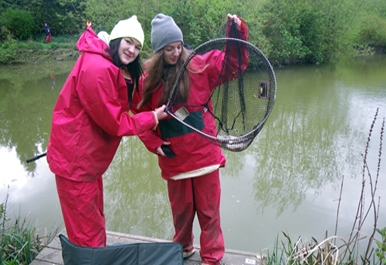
134,68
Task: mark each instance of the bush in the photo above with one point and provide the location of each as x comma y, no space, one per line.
305,31
4,33
372,31
8,50
20,23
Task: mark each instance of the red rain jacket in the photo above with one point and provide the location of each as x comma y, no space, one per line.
192,150
91,115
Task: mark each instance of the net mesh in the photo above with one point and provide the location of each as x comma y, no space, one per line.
243,96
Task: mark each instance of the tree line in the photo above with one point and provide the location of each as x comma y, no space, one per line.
287,31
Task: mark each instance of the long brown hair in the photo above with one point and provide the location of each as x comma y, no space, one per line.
158,71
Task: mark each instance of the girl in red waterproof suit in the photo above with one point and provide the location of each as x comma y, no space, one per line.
89,119
193,174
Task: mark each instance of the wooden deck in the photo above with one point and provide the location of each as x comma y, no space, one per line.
52,254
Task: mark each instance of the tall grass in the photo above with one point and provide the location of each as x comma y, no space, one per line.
60,48
19,241
57,42
337,249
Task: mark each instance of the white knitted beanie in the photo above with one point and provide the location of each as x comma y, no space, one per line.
128,28
164,31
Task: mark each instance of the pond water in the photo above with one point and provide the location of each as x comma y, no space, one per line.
288,180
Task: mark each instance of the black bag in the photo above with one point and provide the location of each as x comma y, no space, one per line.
162,253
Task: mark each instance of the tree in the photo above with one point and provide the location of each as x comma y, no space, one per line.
19,23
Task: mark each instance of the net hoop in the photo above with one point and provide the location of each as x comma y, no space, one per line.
231,143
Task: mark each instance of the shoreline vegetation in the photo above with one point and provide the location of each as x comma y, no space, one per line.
288,32
20,241
61,48
36,56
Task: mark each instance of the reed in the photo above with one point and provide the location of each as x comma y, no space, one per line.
337,249
19,241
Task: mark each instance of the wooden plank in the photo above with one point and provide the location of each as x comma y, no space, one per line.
52,254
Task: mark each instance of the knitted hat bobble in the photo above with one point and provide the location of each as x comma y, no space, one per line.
164,31
128,28
103,35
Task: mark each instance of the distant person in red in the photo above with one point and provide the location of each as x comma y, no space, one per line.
47,31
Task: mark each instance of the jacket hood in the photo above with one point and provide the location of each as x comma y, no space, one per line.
89,42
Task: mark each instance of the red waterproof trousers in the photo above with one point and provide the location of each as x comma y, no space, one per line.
82,209
199,195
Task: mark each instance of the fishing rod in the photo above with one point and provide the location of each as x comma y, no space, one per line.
35,158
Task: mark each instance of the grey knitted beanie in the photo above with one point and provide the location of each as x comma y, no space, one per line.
164,31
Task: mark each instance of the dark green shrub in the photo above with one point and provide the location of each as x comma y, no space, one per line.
8,50
372,31
305,31
20,23
4,33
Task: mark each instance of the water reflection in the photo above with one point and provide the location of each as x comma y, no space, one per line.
135,194
295,152
26,103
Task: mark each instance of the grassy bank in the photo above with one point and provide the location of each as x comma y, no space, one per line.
63,47
60,48
288,32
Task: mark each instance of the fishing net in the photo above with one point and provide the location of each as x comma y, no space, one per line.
242,98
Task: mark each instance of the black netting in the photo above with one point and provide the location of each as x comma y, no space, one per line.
244,94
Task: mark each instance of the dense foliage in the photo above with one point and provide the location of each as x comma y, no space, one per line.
19,22
8,50
287,31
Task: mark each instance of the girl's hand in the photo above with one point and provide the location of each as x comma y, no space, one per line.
159,151
160,112
234,18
